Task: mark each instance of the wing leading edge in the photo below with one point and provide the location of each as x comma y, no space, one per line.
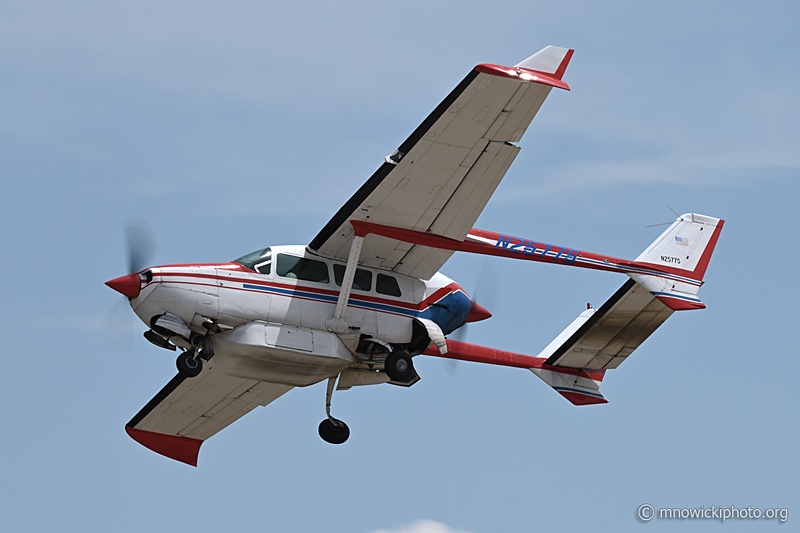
439,179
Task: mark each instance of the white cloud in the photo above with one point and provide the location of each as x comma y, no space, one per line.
422,526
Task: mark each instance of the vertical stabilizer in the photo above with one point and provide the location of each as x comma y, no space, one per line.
682,254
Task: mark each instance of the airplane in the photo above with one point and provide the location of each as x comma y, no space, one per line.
365,296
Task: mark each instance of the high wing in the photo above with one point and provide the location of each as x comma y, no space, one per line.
440,179
602,339
188,411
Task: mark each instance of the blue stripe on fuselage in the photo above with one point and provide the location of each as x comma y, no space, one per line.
449,312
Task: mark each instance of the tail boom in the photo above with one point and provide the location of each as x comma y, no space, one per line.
578,385
672,268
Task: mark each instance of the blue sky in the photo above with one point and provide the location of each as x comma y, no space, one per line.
233,126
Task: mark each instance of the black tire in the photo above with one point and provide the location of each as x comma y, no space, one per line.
333,434
399,366
188,364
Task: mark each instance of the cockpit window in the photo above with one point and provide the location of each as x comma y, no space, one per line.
361,282
259,261
293,267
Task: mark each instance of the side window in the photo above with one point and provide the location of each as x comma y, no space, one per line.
362,281
293,267
387,285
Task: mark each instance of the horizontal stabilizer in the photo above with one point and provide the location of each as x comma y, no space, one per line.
603,338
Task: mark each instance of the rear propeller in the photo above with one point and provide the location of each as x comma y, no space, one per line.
483,295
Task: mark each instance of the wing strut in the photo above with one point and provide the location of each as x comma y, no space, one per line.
337,323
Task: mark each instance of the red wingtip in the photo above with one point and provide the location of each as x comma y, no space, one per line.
181,449
525,74
477,313
126,285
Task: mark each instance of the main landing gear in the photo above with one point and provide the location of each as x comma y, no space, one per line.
331,430
400,370
398,366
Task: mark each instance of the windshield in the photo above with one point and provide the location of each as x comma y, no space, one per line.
259,261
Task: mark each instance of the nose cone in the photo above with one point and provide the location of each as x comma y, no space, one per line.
126,285
477,313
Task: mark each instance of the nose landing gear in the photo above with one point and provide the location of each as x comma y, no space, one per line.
190,362
331,430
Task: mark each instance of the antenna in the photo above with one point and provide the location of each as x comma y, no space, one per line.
664,223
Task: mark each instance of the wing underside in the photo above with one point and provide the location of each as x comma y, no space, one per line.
440,179
188,411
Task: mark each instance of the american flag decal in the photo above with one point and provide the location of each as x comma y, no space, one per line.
681,241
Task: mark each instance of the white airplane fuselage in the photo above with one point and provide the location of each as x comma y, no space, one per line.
271,326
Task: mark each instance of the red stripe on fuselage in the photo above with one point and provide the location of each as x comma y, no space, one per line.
421,306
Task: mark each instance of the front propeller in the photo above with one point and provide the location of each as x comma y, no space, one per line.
140,247
141,244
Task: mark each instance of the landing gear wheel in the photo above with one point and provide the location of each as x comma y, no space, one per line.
399,366
189,363
333,431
